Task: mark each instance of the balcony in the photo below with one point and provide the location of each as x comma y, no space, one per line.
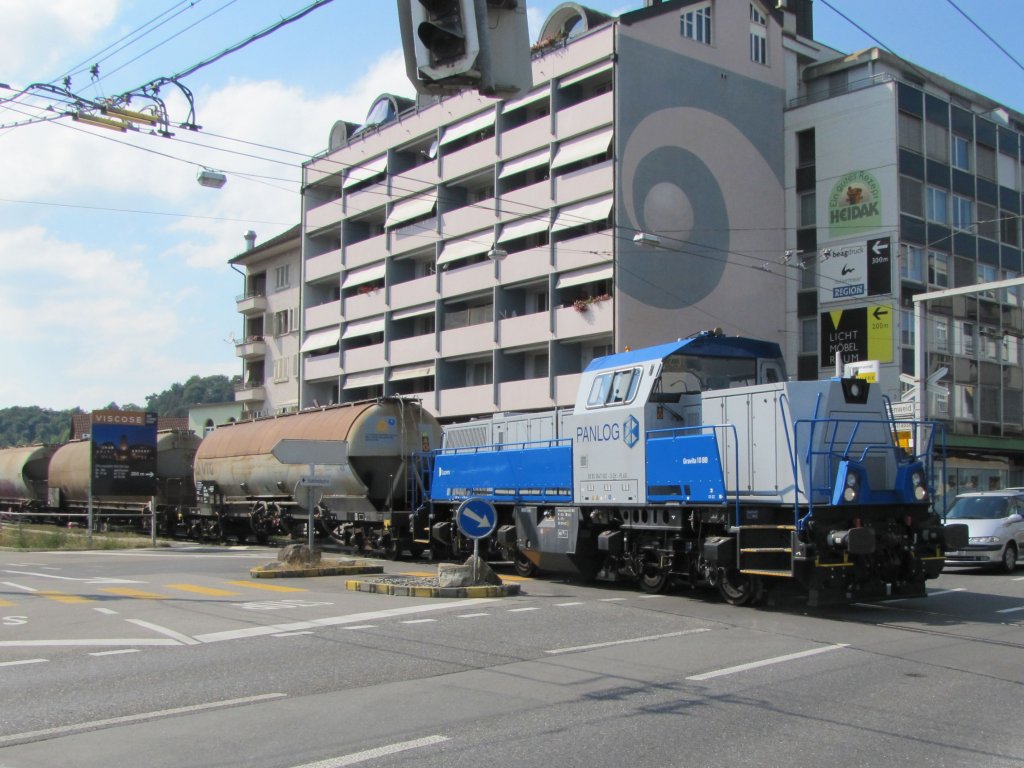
326,215
324,265
526,265
251,303
467,219
566,388
527,329
525,201
466,400
585,116
252,392
415,349
594,318
251,347
468,340
531,136
413,292
474,158
471,279
323,315
363,358
372,302
322,367
584,183
524,395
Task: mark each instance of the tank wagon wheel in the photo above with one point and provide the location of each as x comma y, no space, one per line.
653,579
740,589
392,547
524,567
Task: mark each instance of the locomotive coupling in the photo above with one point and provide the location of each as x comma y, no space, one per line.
856,541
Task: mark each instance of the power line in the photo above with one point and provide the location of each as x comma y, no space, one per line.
986,34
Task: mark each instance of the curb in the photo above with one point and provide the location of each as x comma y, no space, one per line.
349,569
403,590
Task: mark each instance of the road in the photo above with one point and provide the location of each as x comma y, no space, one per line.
176,657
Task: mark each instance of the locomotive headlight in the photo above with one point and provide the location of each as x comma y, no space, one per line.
850,491
984,540
920,492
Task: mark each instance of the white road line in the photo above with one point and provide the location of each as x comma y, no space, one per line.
372,754
164,631
61,730
363,626
108,611
766,662
592,646
1018,578
566,605
419,621
18,586
293,634
522,610
113,653
471,615
337,621
98,642
649,597
1011,610
23,661
611,599
90,580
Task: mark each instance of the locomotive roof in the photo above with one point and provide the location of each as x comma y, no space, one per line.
701,345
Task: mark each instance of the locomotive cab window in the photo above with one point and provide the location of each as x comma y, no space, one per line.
614,388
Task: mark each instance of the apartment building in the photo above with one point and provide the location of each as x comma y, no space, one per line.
269,306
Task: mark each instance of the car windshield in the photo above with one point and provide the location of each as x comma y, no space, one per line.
979,508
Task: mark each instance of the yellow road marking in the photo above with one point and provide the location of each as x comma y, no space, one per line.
5,603
267,587
62,597
138,594
516,578
202,590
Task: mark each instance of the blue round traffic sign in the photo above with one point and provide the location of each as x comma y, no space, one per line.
476,518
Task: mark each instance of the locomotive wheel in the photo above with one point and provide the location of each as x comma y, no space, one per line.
523,565
740,589
392,548
653,579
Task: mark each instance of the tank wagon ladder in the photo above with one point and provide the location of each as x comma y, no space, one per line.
420,474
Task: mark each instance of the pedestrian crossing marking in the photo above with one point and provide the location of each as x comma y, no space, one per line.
63,597
138,594
210,591
267,587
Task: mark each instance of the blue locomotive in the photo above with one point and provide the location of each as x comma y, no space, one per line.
697,461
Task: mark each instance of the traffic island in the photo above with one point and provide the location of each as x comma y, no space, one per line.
471,579
297,560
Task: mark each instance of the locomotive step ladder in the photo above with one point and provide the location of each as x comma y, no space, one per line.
765,549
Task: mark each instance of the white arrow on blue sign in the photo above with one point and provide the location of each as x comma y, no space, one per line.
476,518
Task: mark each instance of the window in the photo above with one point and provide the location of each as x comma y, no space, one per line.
281,276
938,269
940,334
285,322
758,36
937,142
938,201
986,160
1008,227
961,151
481,374
964,338
808,215
614,388
911,196
695,24
988,221
281,369
910,133
912,264
907,327
963,213
809,335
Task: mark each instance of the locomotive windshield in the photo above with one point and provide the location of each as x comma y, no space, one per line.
689,374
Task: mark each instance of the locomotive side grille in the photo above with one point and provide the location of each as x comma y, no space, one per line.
470,436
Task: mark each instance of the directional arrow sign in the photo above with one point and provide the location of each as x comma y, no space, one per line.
476,518
879,312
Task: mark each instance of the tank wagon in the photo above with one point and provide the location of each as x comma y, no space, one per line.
370,498
697,461
23,473
68,485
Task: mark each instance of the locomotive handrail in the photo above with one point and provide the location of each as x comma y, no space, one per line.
516,446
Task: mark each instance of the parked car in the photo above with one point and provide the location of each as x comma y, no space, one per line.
995,521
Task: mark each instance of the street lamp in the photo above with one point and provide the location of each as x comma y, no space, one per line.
211,179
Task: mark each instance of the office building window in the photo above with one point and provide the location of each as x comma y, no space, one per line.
910,133
758,36
961,151
1008,227
963,213
938,205
281,277
938,269
911,196
912,264
695,24
808,205
809,335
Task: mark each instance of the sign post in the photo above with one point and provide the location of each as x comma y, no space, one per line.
477,519
311,452
122,456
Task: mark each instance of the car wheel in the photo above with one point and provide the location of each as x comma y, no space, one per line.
1009,564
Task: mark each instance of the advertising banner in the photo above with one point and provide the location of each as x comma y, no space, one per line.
123,453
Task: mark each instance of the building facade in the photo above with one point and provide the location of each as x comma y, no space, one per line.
269,306
688,165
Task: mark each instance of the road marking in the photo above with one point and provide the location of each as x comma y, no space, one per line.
211,591
516,578
98,642
592,646
78,727
63,597
372,754
267,587
471,615
337,621
108,611
23,661
419,621
1018,578
363,626
18,586
611,599
89,580
649,597
6,603
1011,610
566,605
522,610
113,653
164,631
766,662
136,594
294,634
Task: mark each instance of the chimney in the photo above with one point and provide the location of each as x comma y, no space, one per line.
250,240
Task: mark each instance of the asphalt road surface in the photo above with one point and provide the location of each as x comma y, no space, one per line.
176,657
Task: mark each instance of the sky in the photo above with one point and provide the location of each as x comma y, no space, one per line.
114,281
